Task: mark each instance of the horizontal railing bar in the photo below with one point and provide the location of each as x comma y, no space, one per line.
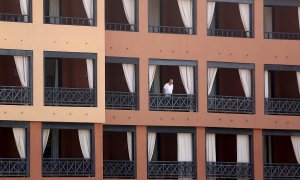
230,33
283,106
171,30
282,35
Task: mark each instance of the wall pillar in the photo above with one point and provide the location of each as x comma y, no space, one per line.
141,152
98,140
35,150
201,162
258,154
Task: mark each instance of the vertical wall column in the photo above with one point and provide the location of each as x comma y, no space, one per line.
259,19
35,141
141,152
143,16
143,84
258,154
98,141
201,162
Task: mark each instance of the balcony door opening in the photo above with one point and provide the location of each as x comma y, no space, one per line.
281,22
67,148
166,149
69,12
69,82
230,91
230,20
120,15
10,10
228,156
166,16
283,84
8,72
121,86
183,96
15,81
118,151
9,149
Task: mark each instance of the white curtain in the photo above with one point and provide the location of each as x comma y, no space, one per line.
85,142
245,76
210,13
129,8
242,143
129,72
185,147
46,133
187,77
296,146
245,16
211,75
20,139
154,12
151,144
266,84
298,80
89,9
299,16
268,19
54,11
186,11
211,148
152,69
129,144
22,63
24,9
90,72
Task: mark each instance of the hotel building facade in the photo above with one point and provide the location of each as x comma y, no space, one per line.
81,89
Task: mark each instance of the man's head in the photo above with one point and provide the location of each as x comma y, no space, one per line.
170,81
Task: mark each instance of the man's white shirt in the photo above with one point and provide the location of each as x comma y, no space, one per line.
168,88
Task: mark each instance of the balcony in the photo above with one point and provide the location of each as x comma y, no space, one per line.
171,169
69,12
229,170
228,154
69,97
121,15
166,161
282,92
67,150
13,11
174,102
229,19
281,20
60,167
13,161
119,169
168,16
230,88
15,82
277,166
172,86
119,152
121,83
70,82
230,104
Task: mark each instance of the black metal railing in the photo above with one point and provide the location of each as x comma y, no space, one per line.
69,97
230,104
120,100
282,35
14,17
282,106
172,102
229,170
171,169
57,167
15,95
281,171
170,30
69,21
230,33
118,169
120,27
13,167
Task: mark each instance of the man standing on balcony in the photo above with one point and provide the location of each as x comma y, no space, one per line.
168,88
